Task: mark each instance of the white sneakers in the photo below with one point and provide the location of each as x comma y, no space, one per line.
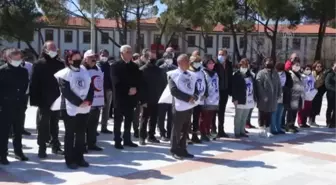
265,132
313,124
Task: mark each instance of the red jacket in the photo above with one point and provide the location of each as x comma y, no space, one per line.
288,65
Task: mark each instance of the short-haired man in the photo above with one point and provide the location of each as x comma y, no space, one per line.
44,90
182,85
223,67
14,82
126,82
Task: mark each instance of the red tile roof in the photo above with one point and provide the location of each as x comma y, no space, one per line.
110,23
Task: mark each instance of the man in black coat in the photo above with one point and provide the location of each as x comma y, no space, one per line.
105,65
14,83
150,92
223,67
44,90
126,83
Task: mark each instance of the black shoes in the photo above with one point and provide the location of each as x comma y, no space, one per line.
195,139
118,146
153,139
72,166
26,133
106,131
142,142
21,157
94,148
180,155
130,144
164,139
222,135
4,160
186,154
83,163
205,138
42,154
57,151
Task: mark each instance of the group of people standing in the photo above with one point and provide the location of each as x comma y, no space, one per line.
142,90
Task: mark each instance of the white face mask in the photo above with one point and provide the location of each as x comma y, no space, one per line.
296,68
196,65
52,54
307,72
169,61
103,59
243,70
16,63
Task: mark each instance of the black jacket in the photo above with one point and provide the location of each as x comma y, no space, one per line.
239,87
106,69
14,83
287,90
44,89
125,76
224,75
153,83
330,83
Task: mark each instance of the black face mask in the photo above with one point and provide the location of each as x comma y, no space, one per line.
77,63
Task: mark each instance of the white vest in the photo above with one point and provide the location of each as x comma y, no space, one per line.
310,90
249,95
97,81
185,83
213,90
79,84
200,85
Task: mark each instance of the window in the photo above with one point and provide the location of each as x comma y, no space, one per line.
157,39
105,38
296,43
226,42
86,37
191,41
313,43
209,42
279,43
241,42
49,35
68,36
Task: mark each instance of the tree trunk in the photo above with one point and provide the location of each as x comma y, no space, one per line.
235,44
322,29
273,40
138,33
245,29
31,48
163,29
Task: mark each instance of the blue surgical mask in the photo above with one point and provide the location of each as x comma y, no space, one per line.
221,59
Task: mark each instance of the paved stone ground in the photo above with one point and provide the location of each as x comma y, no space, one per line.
306,158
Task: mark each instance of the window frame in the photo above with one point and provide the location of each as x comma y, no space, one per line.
193,43
65,36
86,33
229,42
47,32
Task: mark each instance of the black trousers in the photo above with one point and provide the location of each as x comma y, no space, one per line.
330,113
47,127
291,118
264,118
92,124
74,139
283,118
163,110
119,115
195,117
150,113
223,98
179,135
23,118
136,118
11,117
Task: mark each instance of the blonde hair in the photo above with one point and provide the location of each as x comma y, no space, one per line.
194,59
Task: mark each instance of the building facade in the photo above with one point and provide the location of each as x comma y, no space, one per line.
76,36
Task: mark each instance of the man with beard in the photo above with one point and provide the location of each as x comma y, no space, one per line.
44,90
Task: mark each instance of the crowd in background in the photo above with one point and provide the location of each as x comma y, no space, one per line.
185,97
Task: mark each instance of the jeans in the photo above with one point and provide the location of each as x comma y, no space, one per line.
277,118
240,121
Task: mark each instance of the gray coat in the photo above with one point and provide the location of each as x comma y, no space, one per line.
269,90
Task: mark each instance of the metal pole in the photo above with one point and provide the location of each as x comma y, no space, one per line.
93,37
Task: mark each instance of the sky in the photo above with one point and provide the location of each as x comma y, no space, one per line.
161,7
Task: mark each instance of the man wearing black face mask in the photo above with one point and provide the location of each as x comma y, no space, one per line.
150,93
44,90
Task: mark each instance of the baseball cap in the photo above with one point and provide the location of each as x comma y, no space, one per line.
89,53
